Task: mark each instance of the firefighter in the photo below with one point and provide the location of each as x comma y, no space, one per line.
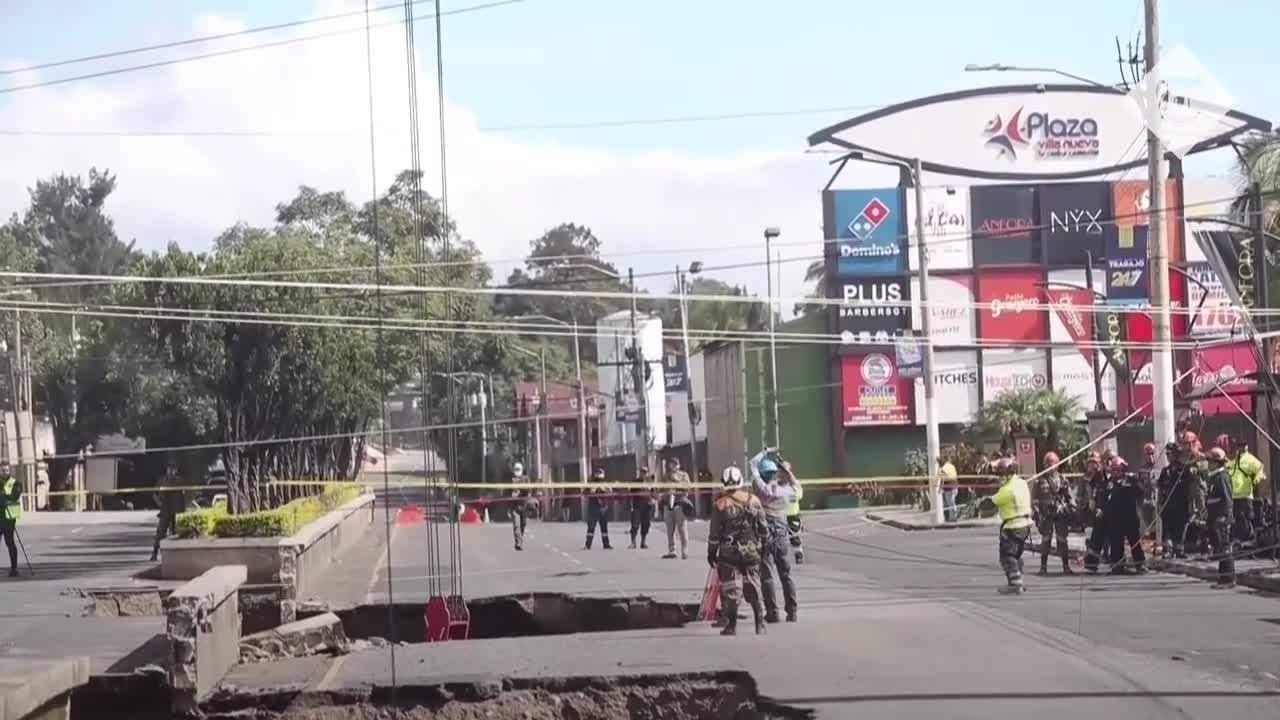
1218,516
1053,507
1096,476
1171,492
734,543
1123,522
598,509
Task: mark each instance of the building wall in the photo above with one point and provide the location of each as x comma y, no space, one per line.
723,403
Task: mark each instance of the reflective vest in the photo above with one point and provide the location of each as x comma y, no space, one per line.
1013,500
950,478
12,509
1246,470
793,505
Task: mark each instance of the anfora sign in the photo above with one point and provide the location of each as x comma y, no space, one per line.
1019,132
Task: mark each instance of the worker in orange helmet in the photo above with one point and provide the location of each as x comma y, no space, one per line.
1096,474
1123,524
1053,508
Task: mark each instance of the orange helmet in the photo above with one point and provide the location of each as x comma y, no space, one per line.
1051,458
1216,454
1149,449
1093,458
1191,440
1118,463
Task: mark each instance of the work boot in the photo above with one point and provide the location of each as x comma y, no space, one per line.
1066,568
771,616
13,572
589,539
791,616
731,625
760,626
154,555
604,542
799,557
1044,568
1011,590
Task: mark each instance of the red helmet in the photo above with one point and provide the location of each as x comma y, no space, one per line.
1216,454
1093,458
1149,449
1118,463
1191,440
1051,458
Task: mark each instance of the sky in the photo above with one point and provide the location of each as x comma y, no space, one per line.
518,78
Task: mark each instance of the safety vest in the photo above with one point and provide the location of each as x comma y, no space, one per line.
793,505
1246,471
949,475
12,509
1013,500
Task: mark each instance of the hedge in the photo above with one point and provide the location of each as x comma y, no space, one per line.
280,522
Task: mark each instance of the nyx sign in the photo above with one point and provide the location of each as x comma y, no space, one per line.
1075,216
874,307
1085,221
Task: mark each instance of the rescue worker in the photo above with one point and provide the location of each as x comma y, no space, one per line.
733,548
1013,503
1053,507
1147,480
793,513
1096,476
676,509
1123,521
775,494
171,502
1196,536
519,510
598,509
643,503
10,513
1218,505
1171,493
950,488
1247,474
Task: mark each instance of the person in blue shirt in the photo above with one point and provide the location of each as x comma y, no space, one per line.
775,491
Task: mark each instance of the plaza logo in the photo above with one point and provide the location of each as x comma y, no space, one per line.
1088,222
871,217
1048,137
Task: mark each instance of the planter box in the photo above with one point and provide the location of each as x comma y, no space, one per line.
296,563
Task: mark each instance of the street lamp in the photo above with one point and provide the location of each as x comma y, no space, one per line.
541,355
769,234
932,444
483,401
695,267
1001,67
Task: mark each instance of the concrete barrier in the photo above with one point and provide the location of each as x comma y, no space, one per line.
203,626
40,689
296,563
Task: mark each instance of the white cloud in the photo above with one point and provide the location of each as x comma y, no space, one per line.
504,190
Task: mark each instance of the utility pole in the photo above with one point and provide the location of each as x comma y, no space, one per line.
931,442
1162,334
688,378
769,235
637,375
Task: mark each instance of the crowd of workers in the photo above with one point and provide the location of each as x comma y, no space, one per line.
1200,503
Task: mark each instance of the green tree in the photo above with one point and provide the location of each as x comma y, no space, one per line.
710,317
815,273
1049,415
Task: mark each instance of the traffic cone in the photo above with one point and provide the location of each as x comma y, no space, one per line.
486,513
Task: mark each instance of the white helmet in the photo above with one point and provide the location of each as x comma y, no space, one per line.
517,469
731,478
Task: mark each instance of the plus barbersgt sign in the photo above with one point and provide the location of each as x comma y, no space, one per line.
875,310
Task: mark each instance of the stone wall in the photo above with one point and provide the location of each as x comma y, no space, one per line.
203,626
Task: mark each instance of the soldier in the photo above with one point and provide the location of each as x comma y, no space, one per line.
643,504
774,496
1054,504
1218,507
598,510
1196,535
519,505
1096,476
733,548
676,509
1013,503
171,502
1147,480
1171,492
1123,523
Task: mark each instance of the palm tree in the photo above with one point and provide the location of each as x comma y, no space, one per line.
816,273
1050,415
1259,162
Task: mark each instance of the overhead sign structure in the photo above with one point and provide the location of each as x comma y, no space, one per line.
868,229
1019,132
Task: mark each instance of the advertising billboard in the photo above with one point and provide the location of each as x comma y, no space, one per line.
673,371
1216,316
951,309
946,229
873,392
1224,366
1127,280
874,310
1131,206
1073,217
1014,369
1005,225
1012,306
1067,292
869,231
1073,374
955,387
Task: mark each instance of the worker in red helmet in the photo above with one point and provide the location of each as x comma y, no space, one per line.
1123,524
1147,474
1097,477
1219,515
1053,508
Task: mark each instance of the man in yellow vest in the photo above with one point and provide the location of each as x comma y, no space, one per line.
1013,502
950,488
10,513
1246,472
793,511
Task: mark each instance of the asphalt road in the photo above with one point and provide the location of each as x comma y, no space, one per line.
1232,633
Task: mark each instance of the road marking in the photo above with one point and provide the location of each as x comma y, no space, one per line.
1270,676
56,537
471,574
76,530
331,674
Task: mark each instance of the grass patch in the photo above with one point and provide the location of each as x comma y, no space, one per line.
281,522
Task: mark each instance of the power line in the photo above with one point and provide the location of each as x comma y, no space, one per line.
179,133
675,119
233,51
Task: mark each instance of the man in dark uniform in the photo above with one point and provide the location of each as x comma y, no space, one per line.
733,548
1123,522
519,509
171,503
10,513
1171,494
598,509
1147,481
1096,476
1053,505
1219,516
643,503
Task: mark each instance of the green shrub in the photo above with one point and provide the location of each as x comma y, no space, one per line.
280,522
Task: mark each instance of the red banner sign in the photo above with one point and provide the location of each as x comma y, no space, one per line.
873,392
1013,308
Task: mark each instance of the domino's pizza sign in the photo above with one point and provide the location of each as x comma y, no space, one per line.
870,237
